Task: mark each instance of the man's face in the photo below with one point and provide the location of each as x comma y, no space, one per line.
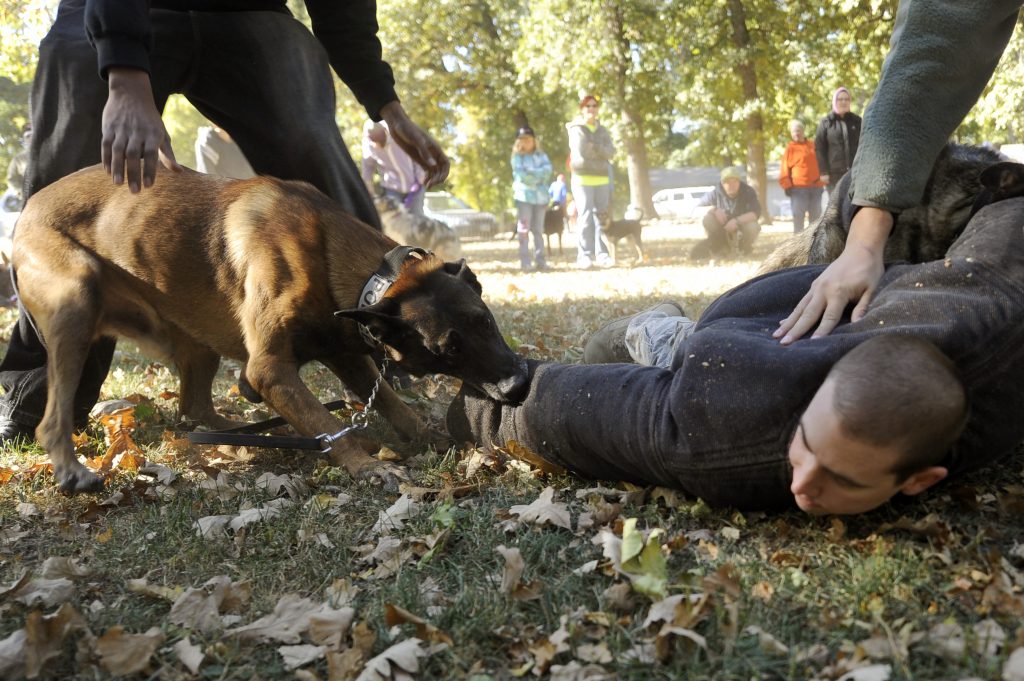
832,472
731,185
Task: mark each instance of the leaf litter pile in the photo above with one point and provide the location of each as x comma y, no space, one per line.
233,563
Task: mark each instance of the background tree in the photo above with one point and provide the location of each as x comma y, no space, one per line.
620,52
709,82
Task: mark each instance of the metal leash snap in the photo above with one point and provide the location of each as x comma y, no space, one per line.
360,419
327,439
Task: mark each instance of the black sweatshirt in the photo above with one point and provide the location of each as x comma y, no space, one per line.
120,32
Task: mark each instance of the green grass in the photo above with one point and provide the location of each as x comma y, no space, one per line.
819,586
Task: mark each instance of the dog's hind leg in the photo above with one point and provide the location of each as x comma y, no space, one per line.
68,322
197,366
638,245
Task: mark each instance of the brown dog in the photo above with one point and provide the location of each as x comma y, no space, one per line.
199,267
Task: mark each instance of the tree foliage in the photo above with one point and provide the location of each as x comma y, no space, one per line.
707,82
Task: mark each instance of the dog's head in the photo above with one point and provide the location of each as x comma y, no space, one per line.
433,320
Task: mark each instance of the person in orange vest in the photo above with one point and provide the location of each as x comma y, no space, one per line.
800,177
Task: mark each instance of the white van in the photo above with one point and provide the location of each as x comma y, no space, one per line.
679,202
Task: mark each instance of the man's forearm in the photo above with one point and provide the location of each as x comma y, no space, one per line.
944,52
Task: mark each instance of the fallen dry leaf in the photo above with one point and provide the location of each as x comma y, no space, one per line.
122,654
56,567
766,641
395,517
190,655
394,615
12,655
522,453
574,671
875,672
544,510
200,608
405,655
45,634
1013,670
141,586
328,627
47,592
300,655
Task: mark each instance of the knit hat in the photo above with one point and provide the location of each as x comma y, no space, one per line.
835,96
525,131
587,99
731,171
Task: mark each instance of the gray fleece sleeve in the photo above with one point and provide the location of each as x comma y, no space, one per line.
942,54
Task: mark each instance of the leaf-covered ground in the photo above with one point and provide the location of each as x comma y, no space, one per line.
225,563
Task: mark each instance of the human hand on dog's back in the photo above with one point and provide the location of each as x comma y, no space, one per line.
134,136
423,148
853,276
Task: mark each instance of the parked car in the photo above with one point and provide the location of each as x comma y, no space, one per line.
679,202
453,211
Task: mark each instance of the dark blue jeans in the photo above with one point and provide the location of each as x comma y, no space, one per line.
261,76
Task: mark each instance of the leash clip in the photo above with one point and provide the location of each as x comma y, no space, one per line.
327,440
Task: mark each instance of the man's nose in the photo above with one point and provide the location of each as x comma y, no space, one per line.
806,480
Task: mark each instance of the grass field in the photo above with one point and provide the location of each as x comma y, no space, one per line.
227,563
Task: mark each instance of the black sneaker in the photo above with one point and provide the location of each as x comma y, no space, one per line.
608,344
12,432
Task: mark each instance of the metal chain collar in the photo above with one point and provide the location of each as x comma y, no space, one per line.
360,419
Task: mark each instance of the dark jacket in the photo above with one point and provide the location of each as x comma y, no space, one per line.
590,151
836,153
718,425
745,201
120,32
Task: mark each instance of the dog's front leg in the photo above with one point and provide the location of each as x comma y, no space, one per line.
278,382
359,374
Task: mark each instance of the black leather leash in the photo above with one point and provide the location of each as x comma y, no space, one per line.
243,436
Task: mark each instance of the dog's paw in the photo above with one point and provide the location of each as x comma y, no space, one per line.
387,475
79,480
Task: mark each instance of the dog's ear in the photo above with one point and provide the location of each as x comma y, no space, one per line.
461,270
1004,179
381,319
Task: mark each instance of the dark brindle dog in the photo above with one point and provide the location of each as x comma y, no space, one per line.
964,179
199,267
615,231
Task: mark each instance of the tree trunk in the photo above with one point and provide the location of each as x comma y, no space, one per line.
756,170
635,139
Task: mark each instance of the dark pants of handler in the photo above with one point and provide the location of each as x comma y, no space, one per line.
261,76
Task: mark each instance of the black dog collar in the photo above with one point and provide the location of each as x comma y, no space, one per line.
381,280
386,275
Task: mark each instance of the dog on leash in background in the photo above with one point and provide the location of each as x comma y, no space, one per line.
630,227
964,179
269,272
554,224
417,230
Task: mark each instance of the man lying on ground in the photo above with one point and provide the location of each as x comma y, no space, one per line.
926,384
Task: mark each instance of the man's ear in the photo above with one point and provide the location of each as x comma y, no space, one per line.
922,480
381,319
